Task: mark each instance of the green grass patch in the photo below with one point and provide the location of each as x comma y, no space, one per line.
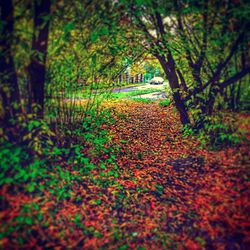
133,93
165,103
143,100
98,90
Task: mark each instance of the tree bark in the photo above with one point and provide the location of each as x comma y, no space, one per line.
37,67
170,71
237,98
182,81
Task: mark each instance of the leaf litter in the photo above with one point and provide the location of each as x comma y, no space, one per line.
166,192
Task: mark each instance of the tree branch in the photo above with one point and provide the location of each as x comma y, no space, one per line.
235,78
220,67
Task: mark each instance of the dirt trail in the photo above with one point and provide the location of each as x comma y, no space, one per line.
152,130
188,194
159,191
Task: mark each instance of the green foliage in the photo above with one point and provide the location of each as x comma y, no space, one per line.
218,133
159,189
94,119
17,169
143,100
27,217
43,172
165,103
86,53
201,241
35,133
133,93
187,130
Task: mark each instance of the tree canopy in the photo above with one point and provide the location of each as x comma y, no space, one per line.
124,124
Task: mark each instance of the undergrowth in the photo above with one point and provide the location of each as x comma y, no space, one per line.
165,103
132,93
56,167
143,100
219,131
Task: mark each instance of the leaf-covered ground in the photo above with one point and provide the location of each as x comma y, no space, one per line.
163,192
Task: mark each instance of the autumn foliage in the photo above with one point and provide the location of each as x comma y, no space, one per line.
160,191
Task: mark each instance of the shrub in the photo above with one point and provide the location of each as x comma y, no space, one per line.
165,103
187,130
218,133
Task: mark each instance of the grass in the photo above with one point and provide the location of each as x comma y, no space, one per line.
86,93
100,90
165,103
133,93
124,85
143,100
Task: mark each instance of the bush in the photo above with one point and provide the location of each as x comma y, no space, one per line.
27,161
218,133
165,103
187,131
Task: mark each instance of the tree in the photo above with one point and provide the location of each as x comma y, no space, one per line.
37,68
203,34
9,89
148,20
184,37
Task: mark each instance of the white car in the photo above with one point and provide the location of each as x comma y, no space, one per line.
156,80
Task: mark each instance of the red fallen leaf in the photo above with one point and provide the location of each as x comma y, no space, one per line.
170,167
239,202
245,224
129,184
139,216
153,205
47,205
192,245
91,243
4,243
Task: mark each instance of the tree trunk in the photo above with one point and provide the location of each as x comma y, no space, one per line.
237,98
37,68
136,78
9,89
213,91
182,80
170,71
232,97
127,78
120,79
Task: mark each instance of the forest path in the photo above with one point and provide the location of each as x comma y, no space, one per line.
145,188
154,133
192,196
